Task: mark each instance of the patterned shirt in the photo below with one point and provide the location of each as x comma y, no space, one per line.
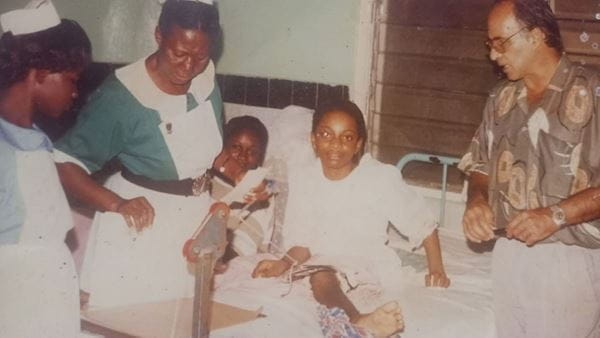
538,155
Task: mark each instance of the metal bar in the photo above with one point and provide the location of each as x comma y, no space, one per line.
204,249
201,311
445,161
443,199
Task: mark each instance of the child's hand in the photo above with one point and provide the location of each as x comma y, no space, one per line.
437,278
259,193
220,267
270,268
228,166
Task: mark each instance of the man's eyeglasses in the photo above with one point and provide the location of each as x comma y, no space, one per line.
498,44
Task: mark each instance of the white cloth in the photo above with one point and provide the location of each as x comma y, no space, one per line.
260,227
464,310
39,295
292,315
48,217
547,290
348,218
122,267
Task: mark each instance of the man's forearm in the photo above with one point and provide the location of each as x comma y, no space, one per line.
583,206
478,187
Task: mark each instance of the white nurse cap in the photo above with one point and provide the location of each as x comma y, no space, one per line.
37,16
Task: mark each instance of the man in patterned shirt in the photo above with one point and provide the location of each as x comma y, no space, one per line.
533,175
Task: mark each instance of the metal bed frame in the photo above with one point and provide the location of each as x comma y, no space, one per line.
445,161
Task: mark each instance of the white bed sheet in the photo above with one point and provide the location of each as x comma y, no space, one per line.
463,310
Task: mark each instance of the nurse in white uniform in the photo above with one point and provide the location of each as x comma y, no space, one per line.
41,59
161,117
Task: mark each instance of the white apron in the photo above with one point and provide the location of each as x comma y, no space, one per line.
39,293
123,267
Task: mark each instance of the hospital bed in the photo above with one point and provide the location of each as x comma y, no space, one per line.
463,310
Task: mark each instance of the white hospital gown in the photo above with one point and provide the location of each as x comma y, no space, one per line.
344,222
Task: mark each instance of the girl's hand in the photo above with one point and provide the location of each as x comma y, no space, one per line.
270,268
437,278
437,275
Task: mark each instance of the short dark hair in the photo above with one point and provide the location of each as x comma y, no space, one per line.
537,13
59,48
190,15
349,108
246,123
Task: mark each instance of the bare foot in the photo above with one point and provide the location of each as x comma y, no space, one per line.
384,321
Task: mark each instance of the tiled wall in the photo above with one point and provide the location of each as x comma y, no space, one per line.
276,93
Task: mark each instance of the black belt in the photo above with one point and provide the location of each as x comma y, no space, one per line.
186,187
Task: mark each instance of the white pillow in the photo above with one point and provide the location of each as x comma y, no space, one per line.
289,133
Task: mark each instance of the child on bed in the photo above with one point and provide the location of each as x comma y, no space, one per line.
245,140
338,211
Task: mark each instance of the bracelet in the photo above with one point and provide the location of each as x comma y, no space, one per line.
289,260
201,183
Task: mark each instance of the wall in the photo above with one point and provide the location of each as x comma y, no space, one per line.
580,29
103,21
308,40
433,77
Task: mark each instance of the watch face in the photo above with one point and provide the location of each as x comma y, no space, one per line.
558,215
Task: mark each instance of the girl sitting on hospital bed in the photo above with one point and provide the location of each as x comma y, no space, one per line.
249,226
337,214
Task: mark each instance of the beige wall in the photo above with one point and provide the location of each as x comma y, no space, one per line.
308,40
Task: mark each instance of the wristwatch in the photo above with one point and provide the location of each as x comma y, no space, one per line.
558,215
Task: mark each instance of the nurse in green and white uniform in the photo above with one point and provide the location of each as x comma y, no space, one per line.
161,117
41,59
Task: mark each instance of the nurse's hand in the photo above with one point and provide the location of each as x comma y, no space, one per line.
137,212
478,221
270,268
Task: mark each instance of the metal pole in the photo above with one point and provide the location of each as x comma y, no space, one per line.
203,249
443,200
201,312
